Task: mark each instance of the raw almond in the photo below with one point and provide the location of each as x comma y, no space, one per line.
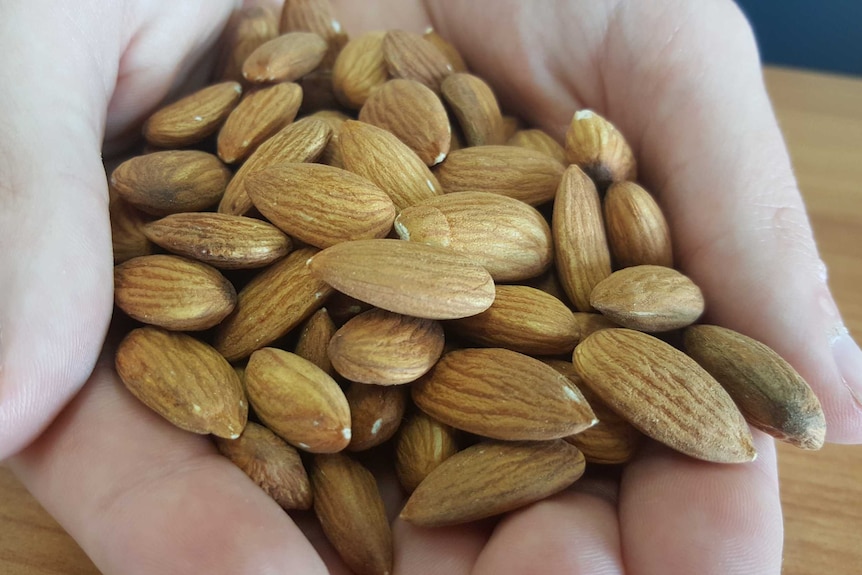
173,292
592,322
321,205
311,16
271,463
375,413
648,298
771,395
171,181
406,277
582,255
540,141
220,240
384,348
270,305
127,231
411,57
251,27
359,69
527,175
313,341
423,444
476,108
511,125
285,58
502,394
637,230
184,380
298,401
331,155
594,144
193,118
447,49
665,394
507,237
491,478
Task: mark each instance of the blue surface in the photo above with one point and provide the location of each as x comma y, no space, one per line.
820,35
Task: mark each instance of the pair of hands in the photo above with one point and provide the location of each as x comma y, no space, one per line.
680,79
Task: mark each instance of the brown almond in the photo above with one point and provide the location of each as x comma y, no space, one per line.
298,401
359,69
523,319
192,118
270,305
380,157
343,307
549,283
285,58
331,155
313,341
184,380
409,56
348,505
771,394
271,463
648,298
540,141
453,56
309,16
594,144
406,277
321,205
637,230
416,116
375,413
592,322
173,292
171,181
423,443
220,240
511,125
257,118
520,173
384,348
665,394
502,394
491,478
127,231
476,108
507,237
581,249
250,27
301,141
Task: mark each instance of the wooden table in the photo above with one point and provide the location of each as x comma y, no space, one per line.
821,492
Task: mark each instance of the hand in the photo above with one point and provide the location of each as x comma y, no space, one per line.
681,80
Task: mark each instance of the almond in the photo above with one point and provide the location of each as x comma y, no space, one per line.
313,341
511,125
321,205
285,58
406,277
271,463
171,181
522,319
592,322
343,307
540,141
173,292
476,108
423,444
772,396
582,254
375,413
447,49
491,478
348,505
411,57
414,114
250,27
526,175
257,118
270,305
127,231
359,69
507,237
637,230
298,401
220,240
502,394
192,118
331,155
648,298
311,16
184,380
383,159
384,348
665,394
594,144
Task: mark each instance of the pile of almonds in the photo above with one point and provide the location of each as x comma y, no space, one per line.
391,260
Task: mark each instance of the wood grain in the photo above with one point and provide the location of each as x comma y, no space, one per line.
821,491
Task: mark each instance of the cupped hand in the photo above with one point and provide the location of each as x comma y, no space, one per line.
681,80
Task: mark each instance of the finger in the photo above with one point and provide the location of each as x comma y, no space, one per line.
681,516
141,496
431,550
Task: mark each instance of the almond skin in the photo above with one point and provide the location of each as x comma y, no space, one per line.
539,141
359,69
476,107
375,413
191,119
285,58
271,463
313,341
502,394
331,155
173,292
251,27
220,240
184,380
406,277
637,230
447,49
491,478
411,57
648,298
771,395
594,144
298,401
423,444
309,15
665,394
321,205
384,348
128,239
171,181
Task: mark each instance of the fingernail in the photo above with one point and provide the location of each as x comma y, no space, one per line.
848,357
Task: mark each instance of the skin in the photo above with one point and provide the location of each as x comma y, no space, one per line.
680,79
